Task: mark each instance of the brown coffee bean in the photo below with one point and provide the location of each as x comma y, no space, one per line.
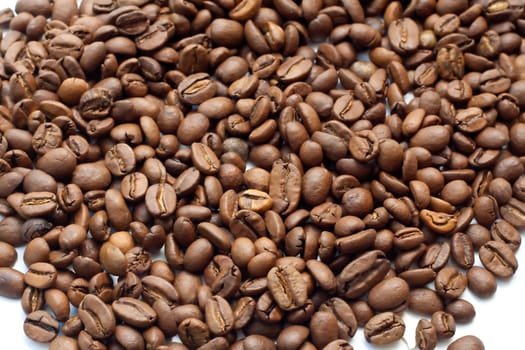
426,335
41,327
41,275
196,88
498,258
193,332
63,342
462,250
450,282
424,301
444,323
134,312
322,274
38,204
403,35
220,317
481,282
204,159
388,294
285,187
8,255
361,274
384,328
462,310
97,317
438,222
13,283
467,342
255,200
287,287
161,200
323,328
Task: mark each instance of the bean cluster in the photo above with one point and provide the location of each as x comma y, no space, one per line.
198,168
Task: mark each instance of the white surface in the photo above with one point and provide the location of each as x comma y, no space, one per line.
497,321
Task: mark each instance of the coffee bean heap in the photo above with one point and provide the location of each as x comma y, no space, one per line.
126,127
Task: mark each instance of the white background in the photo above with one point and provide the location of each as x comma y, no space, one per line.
498,322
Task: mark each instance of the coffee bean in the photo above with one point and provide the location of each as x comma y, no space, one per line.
426,335
40,275
287,287
467,342
362,274
8,255
403,35
384,328
204,159
193,332
424,301
285,187
444,323
498,258
346,319
38,204
41,327
134,312
63,342
12,282
197,88
450,282
220,315
161,199
255,200
481,282
323,328
388,294
97,317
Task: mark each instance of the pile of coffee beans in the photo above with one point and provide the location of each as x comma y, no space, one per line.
234,173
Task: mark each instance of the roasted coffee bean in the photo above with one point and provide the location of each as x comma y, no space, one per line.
481,281
63,342
12,282
403,35
38,204
426,335
161,199
41,327
467,342
204,159
450,282
220,317
134,312
285,187
424,301
196,88
193,332
97,317
323,328
462,250
41,275
462,310
388,294
8,255
255,200
444,323
287,286
361,274
384,328
498,258
346,320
